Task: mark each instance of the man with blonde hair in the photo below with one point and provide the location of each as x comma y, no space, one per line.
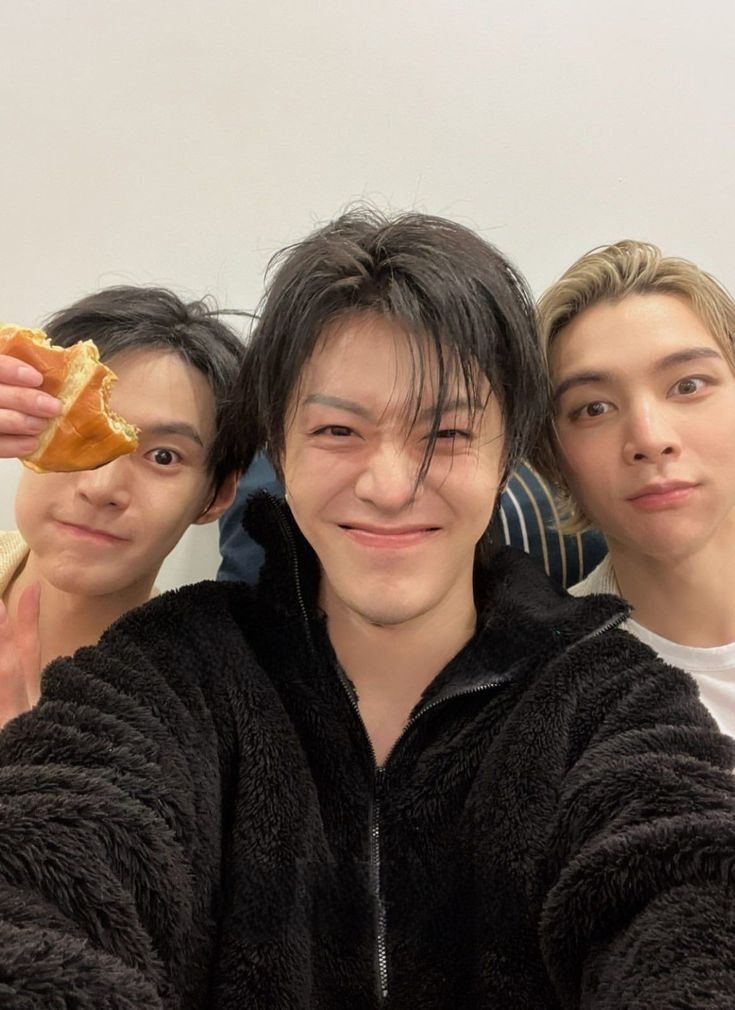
640,355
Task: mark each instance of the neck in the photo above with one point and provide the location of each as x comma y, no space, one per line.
687,600
67,621
391,666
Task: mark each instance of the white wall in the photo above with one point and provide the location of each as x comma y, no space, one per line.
182,142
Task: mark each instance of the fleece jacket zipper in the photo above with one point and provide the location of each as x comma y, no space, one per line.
379,771
379,782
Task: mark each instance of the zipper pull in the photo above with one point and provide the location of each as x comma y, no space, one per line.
379,779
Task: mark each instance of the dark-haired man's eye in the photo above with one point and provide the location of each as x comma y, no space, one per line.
596,408
164,457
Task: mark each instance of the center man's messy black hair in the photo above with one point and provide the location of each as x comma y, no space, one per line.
129,318
452,292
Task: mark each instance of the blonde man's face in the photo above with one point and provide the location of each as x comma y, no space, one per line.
645,417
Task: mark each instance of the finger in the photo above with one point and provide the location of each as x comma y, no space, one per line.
12,448
19,432
28,641
26,618
13,694
33,402
18,372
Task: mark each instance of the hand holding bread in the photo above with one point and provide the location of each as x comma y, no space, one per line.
83,433
24,408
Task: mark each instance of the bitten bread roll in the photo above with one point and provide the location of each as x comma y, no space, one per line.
86,434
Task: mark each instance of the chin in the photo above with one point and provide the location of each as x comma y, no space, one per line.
384,618
82,583
81,587
388,609
671,545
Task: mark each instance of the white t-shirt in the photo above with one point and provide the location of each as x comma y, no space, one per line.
712,668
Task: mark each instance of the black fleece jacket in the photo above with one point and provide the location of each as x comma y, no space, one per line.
192,816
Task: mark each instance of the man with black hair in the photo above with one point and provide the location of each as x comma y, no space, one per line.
402,771
90,544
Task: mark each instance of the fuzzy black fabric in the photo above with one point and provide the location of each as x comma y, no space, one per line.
192,819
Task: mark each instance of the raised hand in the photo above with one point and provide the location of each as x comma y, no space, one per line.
20,656
24,409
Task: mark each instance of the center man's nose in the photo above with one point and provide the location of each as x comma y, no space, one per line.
389,479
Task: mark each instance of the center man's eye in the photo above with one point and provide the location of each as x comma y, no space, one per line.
164,457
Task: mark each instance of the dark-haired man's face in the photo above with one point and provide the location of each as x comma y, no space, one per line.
390,552
107,531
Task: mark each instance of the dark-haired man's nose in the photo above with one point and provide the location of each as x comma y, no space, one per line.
108,486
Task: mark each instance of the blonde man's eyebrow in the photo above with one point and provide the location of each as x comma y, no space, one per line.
579,379
684,356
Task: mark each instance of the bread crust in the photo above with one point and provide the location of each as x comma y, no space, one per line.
87,434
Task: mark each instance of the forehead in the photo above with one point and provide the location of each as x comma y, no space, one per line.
157,386
628,335
372,358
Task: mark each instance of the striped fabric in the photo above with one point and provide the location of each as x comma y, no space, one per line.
530,521
528,518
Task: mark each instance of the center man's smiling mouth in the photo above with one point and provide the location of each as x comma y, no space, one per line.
371,535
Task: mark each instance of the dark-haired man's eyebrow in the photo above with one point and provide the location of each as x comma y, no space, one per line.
686,355
580,379
181,428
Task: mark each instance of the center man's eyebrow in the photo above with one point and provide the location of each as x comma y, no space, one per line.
450,407
425,414
181,428
324,400
681,357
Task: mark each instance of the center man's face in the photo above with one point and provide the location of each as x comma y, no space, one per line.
390,551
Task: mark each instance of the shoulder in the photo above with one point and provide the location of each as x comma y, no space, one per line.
622,686
13,551
194,599
205,610
600,580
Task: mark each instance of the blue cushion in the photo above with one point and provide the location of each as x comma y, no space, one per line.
530,521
